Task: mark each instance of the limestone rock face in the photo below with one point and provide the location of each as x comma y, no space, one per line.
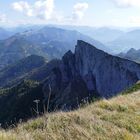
88,73
111,74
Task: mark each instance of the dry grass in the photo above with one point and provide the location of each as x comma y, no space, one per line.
115,119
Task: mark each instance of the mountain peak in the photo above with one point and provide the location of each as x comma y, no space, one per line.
132,50
82,45
85,45
90,71
87,52
68,54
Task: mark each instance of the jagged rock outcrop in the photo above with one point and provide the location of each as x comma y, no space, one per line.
87,73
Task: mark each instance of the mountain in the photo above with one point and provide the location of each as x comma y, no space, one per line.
112,119
16,72
131,54
125,42
88,73
23,28
4,34
105,34
102,34
65,84
48,42
14,49
58,38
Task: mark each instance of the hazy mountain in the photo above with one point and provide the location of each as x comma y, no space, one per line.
51,36
49,42
125,42
14,49
106,34
4,34
23,28
102,34
131,54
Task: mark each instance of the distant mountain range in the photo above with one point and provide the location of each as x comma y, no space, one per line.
115,40
4,34
131,54
126,41
76,78
102,34
49,42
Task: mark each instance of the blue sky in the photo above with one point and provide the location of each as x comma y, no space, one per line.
124,13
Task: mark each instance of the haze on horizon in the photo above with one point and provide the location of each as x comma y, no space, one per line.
121,13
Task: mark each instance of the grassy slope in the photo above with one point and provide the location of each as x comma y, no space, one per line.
114,119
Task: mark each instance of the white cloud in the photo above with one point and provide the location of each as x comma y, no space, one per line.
79,10
3,18
134,20
127,3
21,6
80,6
42,9
45,10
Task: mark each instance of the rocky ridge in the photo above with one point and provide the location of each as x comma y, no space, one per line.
87,73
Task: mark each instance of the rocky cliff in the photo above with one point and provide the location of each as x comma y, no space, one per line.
87,73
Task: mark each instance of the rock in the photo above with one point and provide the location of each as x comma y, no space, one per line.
88,73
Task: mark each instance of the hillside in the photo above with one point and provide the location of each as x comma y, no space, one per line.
102,34
18,102
114,119
16,72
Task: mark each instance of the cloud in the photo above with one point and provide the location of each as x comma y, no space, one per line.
134,20
127,3
21,6
45,10
79,10
42,9
3,18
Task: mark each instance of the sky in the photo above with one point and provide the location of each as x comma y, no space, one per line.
121,13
